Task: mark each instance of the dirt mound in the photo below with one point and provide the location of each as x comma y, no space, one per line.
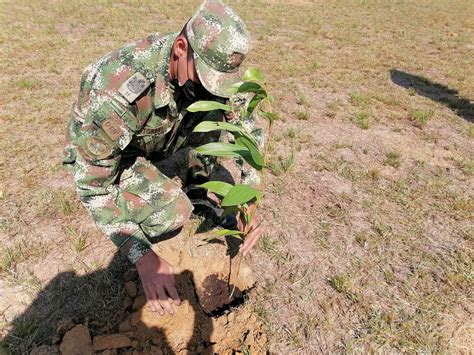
207,321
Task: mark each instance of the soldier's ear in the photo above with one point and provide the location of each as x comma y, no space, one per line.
180,46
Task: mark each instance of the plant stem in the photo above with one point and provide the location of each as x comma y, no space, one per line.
265,151
233,280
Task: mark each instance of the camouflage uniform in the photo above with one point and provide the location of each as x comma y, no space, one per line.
126,116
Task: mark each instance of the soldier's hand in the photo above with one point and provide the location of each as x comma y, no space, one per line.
254,229
158,282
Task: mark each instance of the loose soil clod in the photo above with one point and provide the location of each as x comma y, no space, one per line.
77,341
131,289
114,341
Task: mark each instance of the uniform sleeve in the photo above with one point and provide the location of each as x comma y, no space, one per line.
95,161
126,204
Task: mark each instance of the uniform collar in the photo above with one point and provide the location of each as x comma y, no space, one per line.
163,88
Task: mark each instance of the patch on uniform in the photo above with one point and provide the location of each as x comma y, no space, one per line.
133,87
98,147
112,129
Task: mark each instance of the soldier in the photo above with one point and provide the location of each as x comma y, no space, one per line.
130,115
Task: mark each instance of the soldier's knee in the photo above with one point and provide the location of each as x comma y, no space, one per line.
169,217
183,209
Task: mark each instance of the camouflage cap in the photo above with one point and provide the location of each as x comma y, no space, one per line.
220,43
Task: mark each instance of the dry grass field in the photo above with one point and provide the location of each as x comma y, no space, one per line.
369,187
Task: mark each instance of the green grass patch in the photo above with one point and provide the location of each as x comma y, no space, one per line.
282,165
361,119
302,115
291,133
421,117
373,174
466,165
11,256
360,100
314,65
58,201
335,211
393,159
78,240
342,283
27,84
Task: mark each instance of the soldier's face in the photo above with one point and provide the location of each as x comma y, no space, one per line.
192,73
186,69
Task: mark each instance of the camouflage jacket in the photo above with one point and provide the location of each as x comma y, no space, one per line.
126,109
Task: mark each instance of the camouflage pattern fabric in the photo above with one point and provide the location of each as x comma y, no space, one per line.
125,118
220,42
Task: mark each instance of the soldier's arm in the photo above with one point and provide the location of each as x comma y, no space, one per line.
127,204
95,161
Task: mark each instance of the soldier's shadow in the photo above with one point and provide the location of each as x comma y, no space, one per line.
435,91
97,299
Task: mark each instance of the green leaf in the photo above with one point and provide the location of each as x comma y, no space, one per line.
240,194
256,158
207,106
254,102
225,232
219,149
218,187
207,126
251,87
252,74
